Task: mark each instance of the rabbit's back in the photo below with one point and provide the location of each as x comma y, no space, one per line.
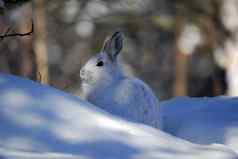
129,98
149,103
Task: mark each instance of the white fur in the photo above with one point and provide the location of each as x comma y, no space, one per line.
108,88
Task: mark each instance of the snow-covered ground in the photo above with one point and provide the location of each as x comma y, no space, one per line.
202,120
41,122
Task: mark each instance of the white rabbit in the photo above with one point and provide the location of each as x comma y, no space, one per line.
105,85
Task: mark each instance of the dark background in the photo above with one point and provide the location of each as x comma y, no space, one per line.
179,47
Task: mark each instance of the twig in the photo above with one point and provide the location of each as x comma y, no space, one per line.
39,77
7,34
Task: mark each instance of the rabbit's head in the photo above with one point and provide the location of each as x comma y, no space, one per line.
103,67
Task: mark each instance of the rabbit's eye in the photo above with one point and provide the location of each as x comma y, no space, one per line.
100,63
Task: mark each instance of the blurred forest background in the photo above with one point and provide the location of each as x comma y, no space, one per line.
179,47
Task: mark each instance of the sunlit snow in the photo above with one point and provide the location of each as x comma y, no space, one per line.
49,123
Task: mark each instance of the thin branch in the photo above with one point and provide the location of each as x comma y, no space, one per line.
7,34
8,30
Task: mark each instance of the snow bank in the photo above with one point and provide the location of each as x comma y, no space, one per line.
42,122
202,120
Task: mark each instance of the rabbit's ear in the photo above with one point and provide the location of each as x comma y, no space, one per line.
113,45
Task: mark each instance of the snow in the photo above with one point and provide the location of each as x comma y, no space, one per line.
42,122
202,120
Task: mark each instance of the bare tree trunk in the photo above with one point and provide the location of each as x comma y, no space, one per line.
231,49
229,16
181,59
4,65
40,42
26,55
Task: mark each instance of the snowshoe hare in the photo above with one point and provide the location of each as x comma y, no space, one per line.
105,85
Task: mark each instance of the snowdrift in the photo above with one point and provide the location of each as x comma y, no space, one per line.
202,120
42,122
